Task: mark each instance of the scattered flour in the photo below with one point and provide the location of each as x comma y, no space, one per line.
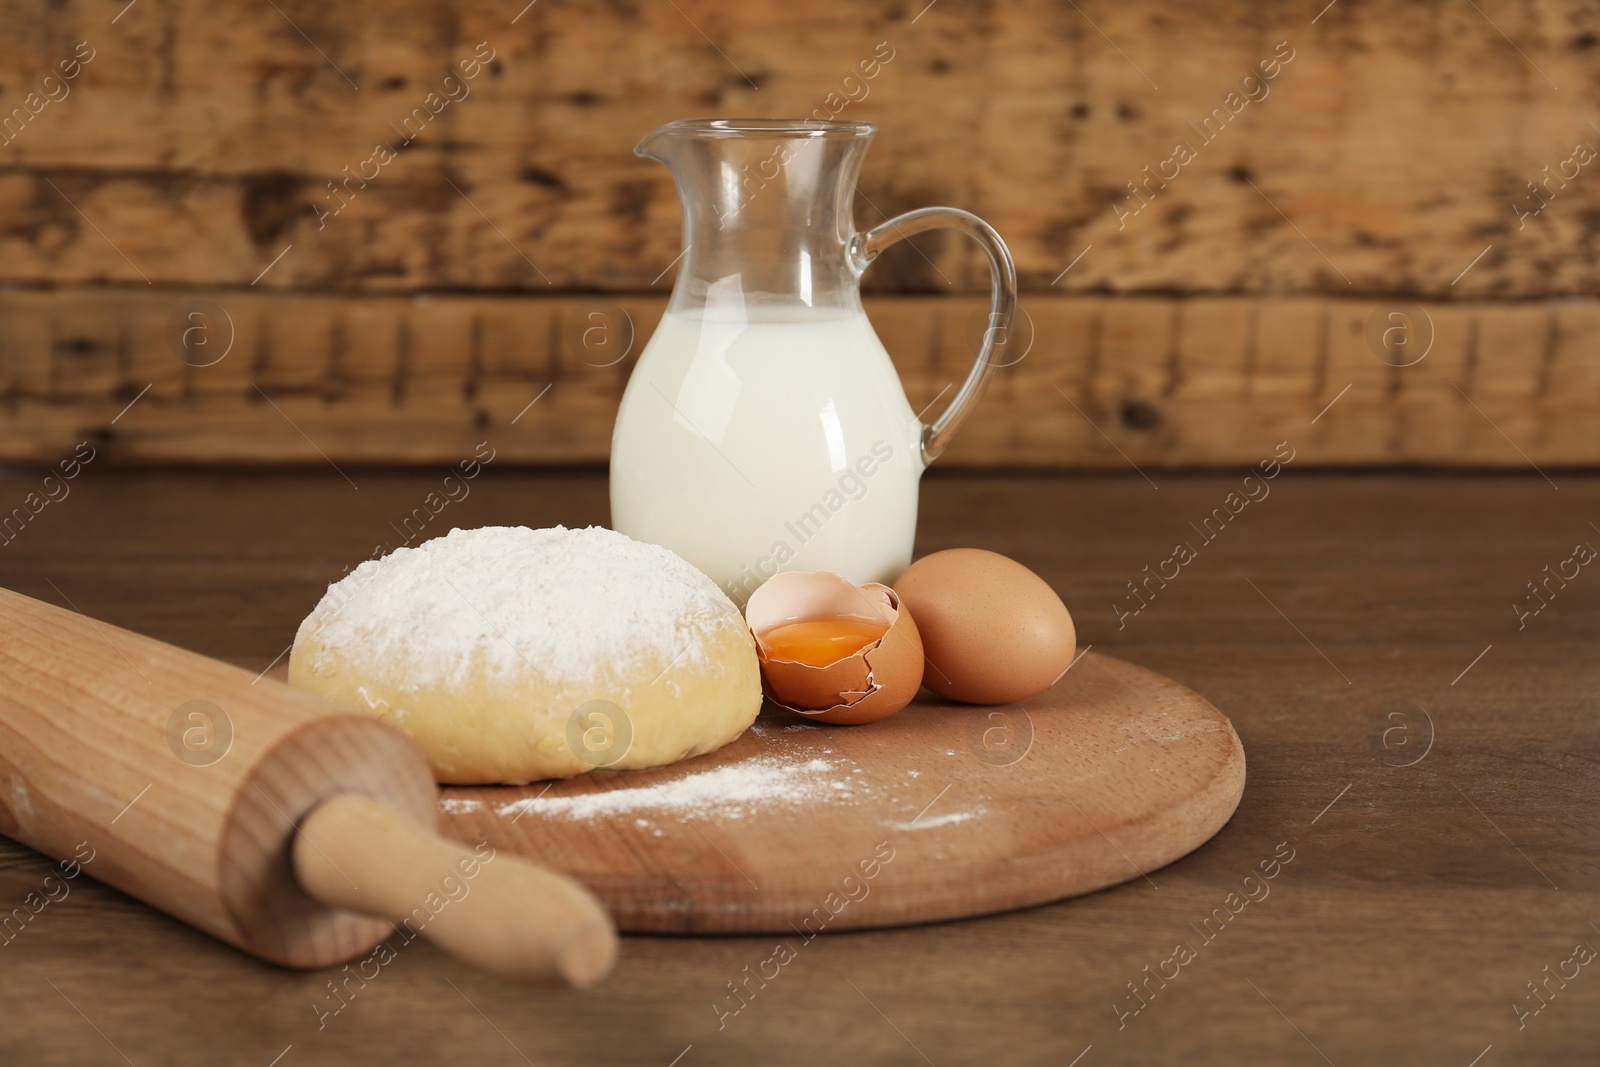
730,792
940,820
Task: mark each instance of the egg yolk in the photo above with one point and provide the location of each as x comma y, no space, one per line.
820,642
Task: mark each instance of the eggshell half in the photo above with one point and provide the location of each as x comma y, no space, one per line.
867,685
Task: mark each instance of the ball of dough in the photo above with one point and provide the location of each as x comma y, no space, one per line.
510,655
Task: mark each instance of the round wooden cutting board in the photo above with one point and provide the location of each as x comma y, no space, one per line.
940,812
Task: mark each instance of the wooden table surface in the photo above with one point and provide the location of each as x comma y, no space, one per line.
1332,621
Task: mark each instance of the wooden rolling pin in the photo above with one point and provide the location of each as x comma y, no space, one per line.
271,818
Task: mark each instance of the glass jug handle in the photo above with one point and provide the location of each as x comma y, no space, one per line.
865,247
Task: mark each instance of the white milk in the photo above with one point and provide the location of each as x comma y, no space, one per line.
752,440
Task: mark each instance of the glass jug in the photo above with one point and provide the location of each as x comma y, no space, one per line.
764,427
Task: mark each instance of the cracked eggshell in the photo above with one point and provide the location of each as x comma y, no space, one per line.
862,687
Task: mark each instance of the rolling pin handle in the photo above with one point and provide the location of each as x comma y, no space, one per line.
497,911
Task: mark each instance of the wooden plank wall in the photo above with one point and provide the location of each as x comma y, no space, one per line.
1385,168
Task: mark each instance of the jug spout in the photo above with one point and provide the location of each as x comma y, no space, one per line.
656,145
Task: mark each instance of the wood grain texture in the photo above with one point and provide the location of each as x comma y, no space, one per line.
943,811
198,142
198,151
1414,912
1095,383
180,780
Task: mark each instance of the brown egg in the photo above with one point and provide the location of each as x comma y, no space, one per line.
834,651
992,630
